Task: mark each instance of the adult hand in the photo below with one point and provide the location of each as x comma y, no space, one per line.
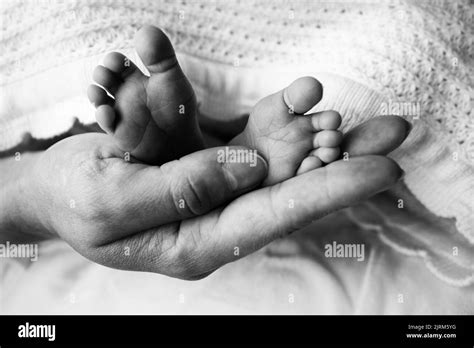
164,219
84,191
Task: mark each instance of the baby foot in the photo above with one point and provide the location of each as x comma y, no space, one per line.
153,118
291,142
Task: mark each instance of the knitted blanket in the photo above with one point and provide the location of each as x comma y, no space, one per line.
411,58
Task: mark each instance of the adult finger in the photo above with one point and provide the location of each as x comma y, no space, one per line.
378,136
198,246
259,217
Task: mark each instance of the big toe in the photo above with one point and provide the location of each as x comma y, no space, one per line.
155,49
303,94
296,99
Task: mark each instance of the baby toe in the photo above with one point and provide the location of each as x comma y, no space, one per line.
119,64
327,138
327,154
105,116
106,78
309,163
326,120
98,96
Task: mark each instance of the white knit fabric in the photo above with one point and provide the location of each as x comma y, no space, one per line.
369,55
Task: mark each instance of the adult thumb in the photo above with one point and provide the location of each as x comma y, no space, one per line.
191,186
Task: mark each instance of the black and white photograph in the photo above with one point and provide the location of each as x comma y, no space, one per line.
244,160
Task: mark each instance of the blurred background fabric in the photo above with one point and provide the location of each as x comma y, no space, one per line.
411,58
